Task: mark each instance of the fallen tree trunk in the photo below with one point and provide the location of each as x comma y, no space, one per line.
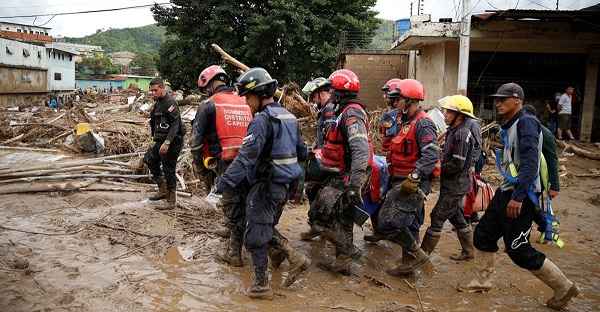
77,176
46,187
572,148
36,173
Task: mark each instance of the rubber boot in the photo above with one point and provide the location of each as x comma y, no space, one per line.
298,263
484,268
412,256
465,237
276,257
563,288
162,189
260,289
233,254
308,235
170,202
430,240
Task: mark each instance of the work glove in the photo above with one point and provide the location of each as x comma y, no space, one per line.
353,194
410,185
214,196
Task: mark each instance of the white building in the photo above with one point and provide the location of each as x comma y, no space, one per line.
61,68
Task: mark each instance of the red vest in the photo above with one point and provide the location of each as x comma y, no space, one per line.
404,152
232,119
334,148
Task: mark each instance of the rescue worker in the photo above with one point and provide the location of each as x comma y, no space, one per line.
390,125
455,178
318,93
414,162
167,131
512,208
219,127
346,157
268,161
478,160
389,120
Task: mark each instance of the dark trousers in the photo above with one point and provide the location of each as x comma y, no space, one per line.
262,214
448,208
516,232
153,160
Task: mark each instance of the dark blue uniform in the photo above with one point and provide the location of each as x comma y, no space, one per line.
268,161
165,124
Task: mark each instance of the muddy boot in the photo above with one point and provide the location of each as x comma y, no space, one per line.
465,237
298,263
222,232
233,254
326,265
260,289
162,189
308,235
276,257
484,268
412,255
373,238
430,240
563,288
170,202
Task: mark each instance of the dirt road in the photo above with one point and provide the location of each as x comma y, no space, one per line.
112,251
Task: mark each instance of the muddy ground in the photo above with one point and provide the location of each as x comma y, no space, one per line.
112,251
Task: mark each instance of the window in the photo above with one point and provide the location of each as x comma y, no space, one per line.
9,50
19,30
39,54
26,52
57,76
70,58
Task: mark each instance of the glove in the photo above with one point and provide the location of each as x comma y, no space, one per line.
353,195
214,197
410,185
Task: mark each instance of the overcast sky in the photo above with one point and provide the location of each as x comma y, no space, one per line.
79,25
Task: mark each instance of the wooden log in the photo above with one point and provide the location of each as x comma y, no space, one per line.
572,148
18,137
35,173
32,149
46,187
77,176
41,124
91,161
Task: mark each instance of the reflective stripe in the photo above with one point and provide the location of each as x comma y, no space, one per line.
434,145
231,105
459,157
286,116
285,161
232,147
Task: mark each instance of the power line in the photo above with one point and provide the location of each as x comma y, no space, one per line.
85,12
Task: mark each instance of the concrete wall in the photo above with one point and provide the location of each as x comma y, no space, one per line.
100,84
374,69
436,69
61,70
17,53
142,82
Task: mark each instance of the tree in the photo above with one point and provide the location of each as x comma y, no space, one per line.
143,64
98,63
295,40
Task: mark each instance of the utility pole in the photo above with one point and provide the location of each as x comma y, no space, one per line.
411,4
464,46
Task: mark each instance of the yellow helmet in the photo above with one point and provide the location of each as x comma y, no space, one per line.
458,103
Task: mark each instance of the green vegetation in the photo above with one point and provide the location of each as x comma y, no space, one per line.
295,40
96,64
146,39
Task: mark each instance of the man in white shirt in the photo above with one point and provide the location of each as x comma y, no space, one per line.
564,114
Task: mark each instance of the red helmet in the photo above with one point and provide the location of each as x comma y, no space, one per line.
210,73
411,89
344,80
391,84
